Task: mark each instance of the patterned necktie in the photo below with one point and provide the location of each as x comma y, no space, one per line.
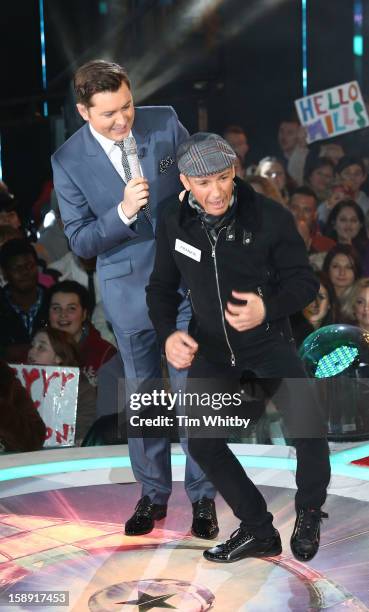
128,174
125,164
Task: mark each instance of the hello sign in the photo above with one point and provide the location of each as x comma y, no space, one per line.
332,112
54,392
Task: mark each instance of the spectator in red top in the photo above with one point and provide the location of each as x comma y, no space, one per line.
69,310
304,207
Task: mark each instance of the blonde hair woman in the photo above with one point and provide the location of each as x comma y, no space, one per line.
356,304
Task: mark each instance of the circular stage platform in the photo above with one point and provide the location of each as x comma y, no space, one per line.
61,530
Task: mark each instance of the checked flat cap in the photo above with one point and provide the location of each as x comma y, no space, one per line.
204,153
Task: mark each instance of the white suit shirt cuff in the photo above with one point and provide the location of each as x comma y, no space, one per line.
123,217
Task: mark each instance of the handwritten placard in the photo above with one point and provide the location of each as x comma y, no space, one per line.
332,112
54,391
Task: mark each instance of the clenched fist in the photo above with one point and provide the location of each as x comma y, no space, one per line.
180,349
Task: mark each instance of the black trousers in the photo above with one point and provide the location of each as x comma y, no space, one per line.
271,358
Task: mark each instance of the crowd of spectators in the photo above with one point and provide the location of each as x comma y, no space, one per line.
325,186
50,306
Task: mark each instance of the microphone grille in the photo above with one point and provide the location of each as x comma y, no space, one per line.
130,146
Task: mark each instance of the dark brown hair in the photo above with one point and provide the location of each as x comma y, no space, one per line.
64,346
343,249
71,286
97,76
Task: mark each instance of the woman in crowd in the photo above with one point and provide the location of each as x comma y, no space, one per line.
356,305
69,311
342,267
322,311
346,225
53,347
318,175
272,169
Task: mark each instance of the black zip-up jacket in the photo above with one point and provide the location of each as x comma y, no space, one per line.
259,251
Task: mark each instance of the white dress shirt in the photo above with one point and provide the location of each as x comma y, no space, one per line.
115,155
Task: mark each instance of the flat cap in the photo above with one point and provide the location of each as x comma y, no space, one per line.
204,153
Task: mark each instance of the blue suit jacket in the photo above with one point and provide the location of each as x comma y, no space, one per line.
89,190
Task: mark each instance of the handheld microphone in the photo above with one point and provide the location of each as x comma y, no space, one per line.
130,148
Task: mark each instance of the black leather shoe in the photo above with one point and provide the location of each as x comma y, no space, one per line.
306,534
144,517
243,544
205,522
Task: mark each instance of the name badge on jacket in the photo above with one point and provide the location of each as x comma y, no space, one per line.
188,250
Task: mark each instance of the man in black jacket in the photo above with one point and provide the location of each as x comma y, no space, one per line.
246,268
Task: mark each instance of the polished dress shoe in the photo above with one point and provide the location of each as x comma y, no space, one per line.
144,517
305,538
204,523
243,544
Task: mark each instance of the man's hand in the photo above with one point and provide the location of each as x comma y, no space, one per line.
245,316
180,349
136,195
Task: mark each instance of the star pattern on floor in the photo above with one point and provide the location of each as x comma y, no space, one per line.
146,602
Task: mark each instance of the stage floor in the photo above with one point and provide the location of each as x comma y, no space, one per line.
64,532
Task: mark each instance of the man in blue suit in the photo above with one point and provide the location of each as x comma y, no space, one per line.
108,214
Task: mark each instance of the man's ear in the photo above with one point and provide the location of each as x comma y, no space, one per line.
83,111
184,181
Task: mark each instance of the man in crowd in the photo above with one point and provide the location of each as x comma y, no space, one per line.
292,147
237,138
22,299
110,211
304,207
247,270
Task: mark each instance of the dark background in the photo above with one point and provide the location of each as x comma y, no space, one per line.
240,60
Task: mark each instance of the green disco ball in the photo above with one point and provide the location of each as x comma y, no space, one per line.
336,350
337,357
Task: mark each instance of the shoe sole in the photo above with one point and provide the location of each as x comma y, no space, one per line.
270,553
157,517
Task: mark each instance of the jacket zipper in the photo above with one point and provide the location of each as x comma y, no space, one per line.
260,292
189,296
213,254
